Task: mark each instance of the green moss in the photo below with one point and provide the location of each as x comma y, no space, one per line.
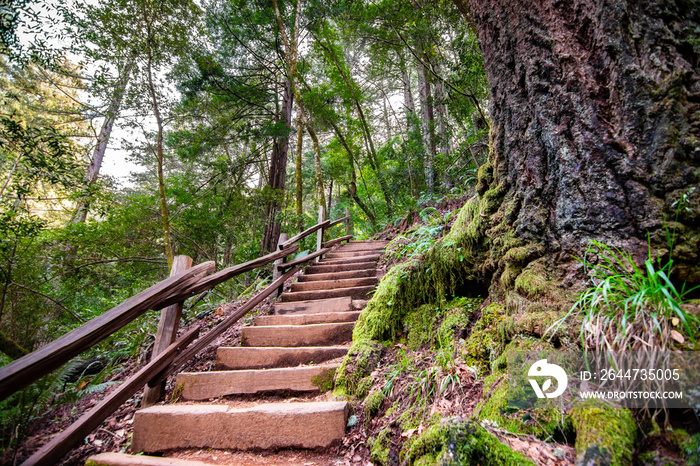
484,177
380,447
455,321
363,387
324,381
485,343
373,403
688,445
532,323
420,325
491,199
604,435
536,281
177,393
457,442
361,360
408,420
503,408
521,255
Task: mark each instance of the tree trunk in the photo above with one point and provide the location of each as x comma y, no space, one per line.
159,144
364,124
427,121
352,188
291,49
278,171
98,154
298,175
595,132
442,136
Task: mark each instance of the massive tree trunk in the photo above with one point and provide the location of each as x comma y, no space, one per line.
595,128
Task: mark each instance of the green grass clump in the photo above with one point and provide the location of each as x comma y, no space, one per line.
630,307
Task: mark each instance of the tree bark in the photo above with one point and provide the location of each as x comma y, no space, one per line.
595,133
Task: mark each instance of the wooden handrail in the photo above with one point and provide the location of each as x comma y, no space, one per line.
305,233
209,282
27,369
306,258
333,242
50,453
336,222
175,289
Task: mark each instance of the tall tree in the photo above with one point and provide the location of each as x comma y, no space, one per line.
291,49
595,133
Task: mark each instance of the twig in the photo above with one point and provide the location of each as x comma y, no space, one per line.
55,301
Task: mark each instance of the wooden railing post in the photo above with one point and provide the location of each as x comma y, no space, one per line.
167,331
277,271
348,223
319,233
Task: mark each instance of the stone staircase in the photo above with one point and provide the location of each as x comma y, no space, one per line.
294,351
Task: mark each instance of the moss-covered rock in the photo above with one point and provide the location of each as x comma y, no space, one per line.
511,411
361,360
485,343
373,403
458,442
380,448
604,436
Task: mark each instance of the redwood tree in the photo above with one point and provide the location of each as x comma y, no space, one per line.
595,109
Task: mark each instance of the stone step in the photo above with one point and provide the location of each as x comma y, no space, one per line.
355,246
314,277
334,284
305,319
342,304
241,357
373,258
265,426
320,267
297,335
199,386
370,242
341,254
122,459
357,292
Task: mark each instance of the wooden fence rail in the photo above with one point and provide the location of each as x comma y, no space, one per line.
173,290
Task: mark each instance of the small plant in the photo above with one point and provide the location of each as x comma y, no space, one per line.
629,307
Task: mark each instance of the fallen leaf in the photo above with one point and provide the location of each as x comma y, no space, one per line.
677,336
675,321
408,433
